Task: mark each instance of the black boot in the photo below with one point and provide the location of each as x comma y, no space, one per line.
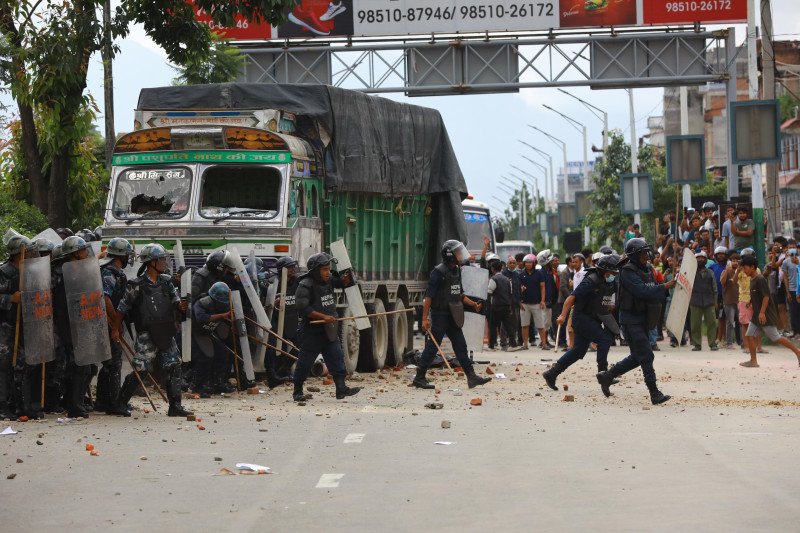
656,396
128,389
31,407
174,393
606,379
473,380
221,385
551,374
419,381
342,389
5,409
273,379
298,394
603,368
75,395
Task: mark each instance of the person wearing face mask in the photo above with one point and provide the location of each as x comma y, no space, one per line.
703,305
718,267
591,302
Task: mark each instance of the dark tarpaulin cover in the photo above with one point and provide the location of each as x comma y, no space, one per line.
378,146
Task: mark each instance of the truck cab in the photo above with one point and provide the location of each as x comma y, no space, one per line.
479,224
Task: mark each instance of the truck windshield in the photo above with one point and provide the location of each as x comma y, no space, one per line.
155,192
241,192
478,227
505,250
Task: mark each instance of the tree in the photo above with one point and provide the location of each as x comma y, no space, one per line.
223,64
44,58
20,216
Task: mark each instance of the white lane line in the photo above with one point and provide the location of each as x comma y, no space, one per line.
329,481
356,438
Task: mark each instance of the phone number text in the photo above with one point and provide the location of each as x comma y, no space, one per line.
699,5
492,11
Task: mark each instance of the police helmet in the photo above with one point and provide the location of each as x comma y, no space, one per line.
227,261
747,251
285,262
530,258
608,263
73,244
709,205
220,292
214,261
605,250
636,246
98,232
14,244
454,251
152,252
43,246
320,260
259,263
57,253
64,232
119,247
86,234
544,257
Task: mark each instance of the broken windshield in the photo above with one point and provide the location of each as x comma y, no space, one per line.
155,192
241,192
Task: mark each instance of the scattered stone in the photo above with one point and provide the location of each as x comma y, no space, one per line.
11,476
262,430
645,408
446,424
191,418
89,447
40,443
189,396
301,403
312,389
218,458
538,394
143,458
201,428
434,405
489,370
569,398
94,452
20,461
252,390
566,387
328,381
476,401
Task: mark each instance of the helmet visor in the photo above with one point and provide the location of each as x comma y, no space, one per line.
461,253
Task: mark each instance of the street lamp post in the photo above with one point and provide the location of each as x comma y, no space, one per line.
574,123
550,159
604,119
522,203
534,182
564,149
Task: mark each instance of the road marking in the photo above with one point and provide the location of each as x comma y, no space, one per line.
329,481
354,438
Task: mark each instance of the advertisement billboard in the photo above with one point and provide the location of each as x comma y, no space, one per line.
363,18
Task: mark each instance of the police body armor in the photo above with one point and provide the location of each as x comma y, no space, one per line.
202,332
120,285
9,284
155,312
290,317
502,293
598,306
629,303
449,297
60,306
202,280
322,300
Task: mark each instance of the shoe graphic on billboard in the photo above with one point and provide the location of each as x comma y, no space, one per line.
333,10
308,20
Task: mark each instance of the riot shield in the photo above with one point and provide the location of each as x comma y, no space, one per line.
240,330
249,288
37,311
186,296
86,306
475,282
676,319
282,316
51,235
353,293
474,329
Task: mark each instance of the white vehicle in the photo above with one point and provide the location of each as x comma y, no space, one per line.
478,218
511,248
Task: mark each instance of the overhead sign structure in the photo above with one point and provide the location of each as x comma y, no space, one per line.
686,159
636,192
566,216
756,129
583,204
543,222
552,224
323,18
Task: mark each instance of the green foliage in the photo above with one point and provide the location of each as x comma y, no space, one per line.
223,64
788,104
19,215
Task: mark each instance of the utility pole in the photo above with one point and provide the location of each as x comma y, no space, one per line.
756,182
773,203
687,189
108,84
731,86
637,218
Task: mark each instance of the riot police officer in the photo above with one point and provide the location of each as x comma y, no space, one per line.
640,301
43,246
72,249
153,301
119,253
278,365
591,302
211,316
316,301
445,301
10,300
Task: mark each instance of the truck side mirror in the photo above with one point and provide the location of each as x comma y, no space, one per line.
499,234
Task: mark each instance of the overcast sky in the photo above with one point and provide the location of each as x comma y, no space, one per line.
483,128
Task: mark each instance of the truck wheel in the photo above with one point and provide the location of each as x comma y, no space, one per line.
400,333
375,340
351,339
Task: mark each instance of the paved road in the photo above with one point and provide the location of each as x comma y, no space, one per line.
720,456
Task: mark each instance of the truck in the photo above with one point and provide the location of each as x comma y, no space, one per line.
479,224
285,170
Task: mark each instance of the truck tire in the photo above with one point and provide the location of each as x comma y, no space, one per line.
401,333
350,338
375,340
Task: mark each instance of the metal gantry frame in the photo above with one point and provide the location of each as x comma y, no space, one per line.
464,65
